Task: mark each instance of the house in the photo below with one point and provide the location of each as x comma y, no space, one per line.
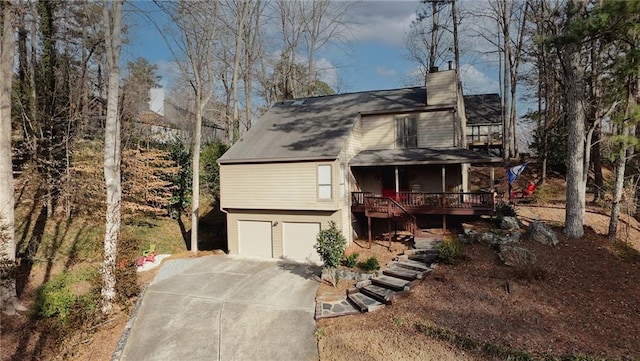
162,121
484,122
165,121
356,159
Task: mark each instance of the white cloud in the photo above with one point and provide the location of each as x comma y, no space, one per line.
384,71
169,72
383,21
474,81
327,72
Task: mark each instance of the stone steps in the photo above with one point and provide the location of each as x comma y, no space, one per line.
364,302
371,295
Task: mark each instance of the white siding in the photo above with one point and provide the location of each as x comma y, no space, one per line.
274,186
435,130
378,132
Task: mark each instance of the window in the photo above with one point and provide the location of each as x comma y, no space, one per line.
324,182
342,181
407,132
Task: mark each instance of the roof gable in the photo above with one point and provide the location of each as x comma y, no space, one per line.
317,127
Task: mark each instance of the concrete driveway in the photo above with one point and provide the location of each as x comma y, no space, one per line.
226,308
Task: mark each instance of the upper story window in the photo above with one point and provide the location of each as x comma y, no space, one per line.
407,131
324,182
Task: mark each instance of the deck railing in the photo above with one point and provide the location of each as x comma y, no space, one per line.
392,209
418,200
357,198
446,200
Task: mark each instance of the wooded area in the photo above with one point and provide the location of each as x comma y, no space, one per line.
61,89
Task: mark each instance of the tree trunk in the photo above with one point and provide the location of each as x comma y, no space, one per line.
575,208
621,162
112,16
195,180
9,302
241,12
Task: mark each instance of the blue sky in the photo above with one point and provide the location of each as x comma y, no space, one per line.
376,58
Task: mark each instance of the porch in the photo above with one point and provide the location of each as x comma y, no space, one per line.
406,185
440,203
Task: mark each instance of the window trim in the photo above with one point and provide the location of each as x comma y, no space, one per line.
320,185
342,181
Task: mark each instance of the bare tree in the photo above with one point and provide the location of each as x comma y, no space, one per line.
9,302
196,22
112,17
429,39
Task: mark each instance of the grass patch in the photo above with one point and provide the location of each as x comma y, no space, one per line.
451,250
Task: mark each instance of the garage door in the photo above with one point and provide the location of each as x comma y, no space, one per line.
254,239
298,239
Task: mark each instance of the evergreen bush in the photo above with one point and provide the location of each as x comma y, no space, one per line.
330,245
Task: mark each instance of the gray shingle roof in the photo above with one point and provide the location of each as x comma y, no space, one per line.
421,156
483,109
317,128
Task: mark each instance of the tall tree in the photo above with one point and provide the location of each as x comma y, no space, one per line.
196,41
573,78
112,17
429,39
9,302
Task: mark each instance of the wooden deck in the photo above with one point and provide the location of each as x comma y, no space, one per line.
469,203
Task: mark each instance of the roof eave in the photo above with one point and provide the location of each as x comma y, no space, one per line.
276,160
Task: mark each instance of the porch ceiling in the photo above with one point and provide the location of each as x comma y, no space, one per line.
421,156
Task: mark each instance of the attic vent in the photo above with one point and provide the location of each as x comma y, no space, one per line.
297,103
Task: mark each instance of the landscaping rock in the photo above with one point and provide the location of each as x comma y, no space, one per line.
344,274
515,256
468,236
539,232
509,223
499,239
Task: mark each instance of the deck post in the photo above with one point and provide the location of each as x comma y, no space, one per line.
444,223
492,177
369,226
389,229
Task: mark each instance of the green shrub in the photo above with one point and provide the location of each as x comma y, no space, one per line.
69,299
371,264
351,260
330,245
450,250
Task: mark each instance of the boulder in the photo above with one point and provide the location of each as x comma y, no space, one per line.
509,223
539,232
500,238
515,256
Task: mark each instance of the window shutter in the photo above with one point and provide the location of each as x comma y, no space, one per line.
412,132
400,135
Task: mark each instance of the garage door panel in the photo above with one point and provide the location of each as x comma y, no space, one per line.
299,240
254,239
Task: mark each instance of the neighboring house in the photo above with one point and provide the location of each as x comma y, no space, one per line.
165,121
383,156
484,122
